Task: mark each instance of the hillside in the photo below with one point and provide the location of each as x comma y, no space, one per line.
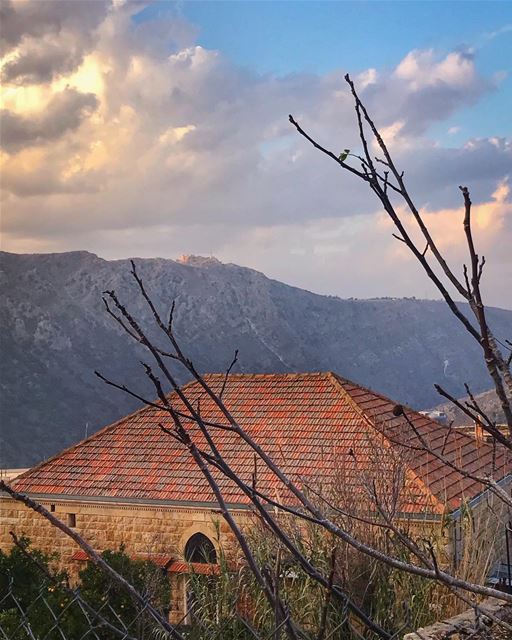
55,332
487,400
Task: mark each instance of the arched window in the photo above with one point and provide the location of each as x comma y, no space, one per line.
200,549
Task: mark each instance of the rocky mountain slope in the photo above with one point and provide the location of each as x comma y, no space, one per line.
487,400
55,332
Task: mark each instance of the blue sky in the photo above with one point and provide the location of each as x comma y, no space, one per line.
161,128
299,37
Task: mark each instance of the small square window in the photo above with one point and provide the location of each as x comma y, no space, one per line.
52,508
71,519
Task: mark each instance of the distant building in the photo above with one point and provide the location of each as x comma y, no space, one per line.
438,416
10,474
131,483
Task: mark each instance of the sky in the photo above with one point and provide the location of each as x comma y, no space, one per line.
161,128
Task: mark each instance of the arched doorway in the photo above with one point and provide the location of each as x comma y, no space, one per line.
200,549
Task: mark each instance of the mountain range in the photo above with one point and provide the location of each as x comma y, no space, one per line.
55,332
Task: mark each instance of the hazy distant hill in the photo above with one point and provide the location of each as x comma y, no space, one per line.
54,333
488,401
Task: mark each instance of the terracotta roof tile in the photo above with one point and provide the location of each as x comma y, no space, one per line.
307,423
165,561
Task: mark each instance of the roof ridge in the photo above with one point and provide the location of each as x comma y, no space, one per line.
297,402
291,374
377,394
409,409
372,423
337,382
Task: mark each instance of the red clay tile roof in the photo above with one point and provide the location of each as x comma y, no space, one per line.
160,559
315,426
203,568
170,564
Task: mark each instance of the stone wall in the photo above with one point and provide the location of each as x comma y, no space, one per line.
143,529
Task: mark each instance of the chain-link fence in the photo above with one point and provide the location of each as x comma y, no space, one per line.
46,612
39,604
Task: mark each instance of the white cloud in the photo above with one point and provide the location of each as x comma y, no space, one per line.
64,113
366,78
421,69
491,35
170,148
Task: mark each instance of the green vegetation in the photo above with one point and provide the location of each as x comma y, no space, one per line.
35,599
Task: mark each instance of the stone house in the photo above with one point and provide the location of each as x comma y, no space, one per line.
131,483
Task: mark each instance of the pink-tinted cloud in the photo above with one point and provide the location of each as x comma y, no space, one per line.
163,147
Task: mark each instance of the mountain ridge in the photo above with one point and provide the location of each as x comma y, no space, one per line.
55,332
